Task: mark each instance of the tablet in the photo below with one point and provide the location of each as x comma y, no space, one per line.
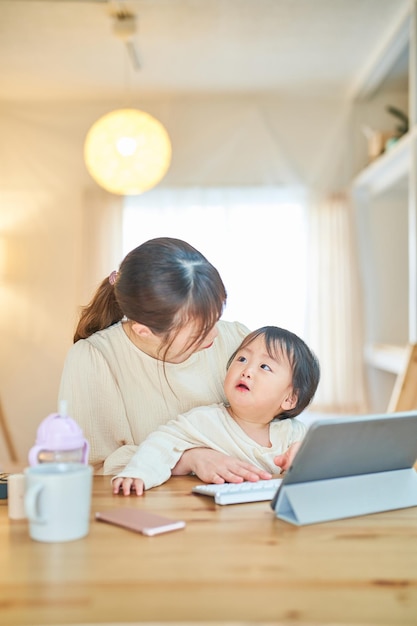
354,446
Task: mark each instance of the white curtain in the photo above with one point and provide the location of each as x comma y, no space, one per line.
255,236
101,241
335,313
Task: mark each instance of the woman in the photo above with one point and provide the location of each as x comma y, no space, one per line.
148,347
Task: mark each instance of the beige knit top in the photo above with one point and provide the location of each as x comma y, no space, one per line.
118,394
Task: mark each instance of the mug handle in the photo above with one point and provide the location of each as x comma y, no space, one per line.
31,504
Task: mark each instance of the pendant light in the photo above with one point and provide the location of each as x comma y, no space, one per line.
127,151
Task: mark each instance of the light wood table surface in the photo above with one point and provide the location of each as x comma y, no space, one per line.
237,564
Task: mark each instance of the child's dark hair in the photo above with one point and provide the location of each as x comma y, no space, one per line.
304,363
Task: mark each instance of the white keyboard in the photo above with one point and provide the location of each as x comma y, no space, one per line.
239,493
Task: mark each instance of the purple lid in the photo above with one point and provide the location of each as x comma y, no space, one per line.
57,432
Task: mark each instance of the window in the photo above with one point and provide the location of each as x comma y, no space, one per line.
255,237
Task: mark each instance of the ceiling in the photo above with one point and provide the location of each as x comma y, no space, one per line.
65,49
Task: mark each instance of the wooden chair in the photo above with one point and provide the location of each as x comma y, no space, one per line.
7,436
404,395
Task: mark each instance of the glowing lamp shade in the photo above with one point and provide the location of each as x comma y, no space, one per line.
127,151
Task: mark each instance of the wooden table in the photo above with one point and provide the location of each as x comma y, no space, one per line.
236,564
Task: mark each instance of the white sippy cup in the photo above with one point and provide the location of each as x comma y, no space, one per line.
59,440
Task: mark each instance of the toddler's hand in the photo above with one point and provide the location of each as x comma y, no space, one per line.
284,461
128,485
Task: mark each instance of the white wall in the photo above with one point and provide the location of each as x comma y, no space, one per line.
45,261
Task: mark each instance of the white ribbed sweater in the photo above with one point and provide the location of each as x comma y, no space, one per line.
208,427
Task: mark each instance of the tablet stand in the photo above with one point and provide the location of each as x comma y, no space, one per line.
349,496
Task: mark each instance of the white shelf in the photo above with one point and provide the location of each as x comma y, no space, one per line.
379,183
388,169
386,357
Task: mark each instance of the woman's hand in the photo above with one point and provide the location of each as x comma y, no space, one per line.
128,485
212,466
284,461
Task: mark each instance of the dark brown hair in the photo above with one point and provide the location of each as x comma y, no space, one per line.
163,284
304,363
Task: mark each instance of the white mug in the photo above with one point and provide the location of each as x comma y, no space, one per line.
58,501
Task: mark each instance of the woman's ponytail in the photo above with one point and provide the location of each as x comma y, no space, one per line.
100,313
